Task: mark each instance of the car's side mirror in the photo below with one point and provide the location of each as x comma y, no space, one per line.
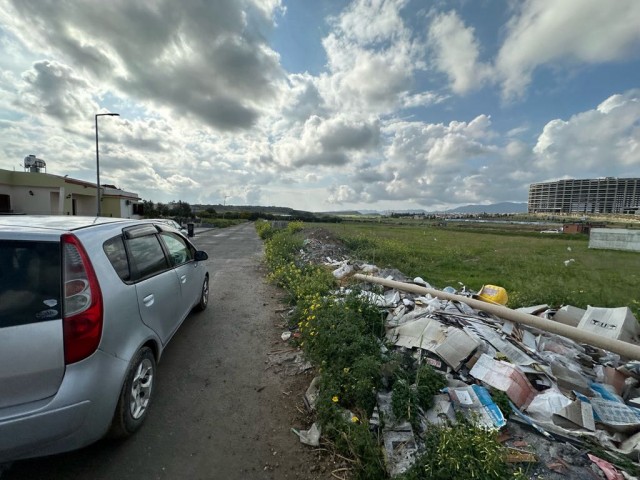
201,256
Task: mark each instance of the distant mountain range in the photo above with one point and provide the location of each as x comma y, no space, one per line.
493,208
503,207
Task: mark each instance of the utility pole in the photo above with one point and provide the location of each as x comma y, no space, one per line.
99,210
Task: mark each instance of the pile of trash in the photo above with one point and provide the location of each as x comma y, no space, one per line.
320,245
565,396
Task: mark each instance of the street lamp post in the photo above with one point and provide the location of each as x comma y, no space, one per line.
98,158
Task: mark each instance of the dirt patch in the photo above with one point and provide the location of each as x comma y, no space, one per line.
287,367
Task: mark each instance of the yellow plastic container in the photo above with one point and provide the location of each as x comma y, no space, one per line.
493,294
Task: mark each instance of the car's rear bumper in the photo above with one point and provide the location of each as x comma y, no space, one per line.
21,435
77,415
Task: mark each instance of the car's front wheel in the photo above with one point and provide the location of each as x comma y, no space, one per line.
135,397
204,295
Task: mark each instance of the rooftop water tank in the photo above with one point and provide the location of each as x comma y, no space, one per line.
34,164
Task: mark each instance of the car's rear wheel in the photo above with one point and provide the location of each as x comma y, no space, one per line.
204,296
135,397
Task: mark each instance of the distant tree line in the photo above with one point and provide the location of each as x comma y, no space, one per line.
182,211
255,215
177,209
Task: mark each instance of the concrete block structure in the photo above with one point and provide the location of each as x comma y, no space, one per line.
615,239
588,196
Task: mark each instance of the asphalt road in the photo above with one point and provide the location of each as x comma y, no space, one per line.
219,411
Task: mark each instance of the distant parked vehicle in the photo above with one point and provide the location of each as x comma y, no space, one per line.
173,224
87,306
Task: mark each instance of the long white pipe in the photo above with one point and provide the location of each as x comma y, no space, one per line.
625,349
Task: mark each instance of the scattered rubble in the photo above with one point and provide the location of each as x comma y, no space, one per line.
290,362
569,392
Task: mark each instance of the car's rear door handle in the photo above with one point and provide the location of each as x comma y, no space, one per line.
183,278
148,300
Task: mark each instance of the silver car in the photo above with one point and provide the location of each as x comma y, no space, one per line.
87,306
172,223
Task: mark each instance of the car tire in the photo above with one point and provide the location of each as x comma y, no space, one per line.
135,397
204,295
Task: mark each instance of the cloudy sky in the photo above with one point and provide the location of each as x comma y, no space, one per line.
323,104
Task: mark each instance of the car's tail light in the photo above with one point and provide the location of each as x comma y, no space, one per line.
82,324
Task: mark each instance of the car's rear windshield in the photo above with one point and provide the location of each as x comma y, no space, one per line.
30,282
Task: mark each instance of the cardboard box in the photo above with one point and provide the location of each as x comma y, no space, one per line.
615,416
450,344
505,377
568,380
615,378
576,415
455,347
442,411
617,323
512,352
569,315
476,405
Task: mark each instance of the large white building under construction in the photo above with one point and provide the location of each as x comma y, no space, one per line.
600,195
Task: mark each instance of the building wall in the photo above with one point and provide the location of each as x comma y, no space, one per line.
572,228
23,202
118,207
34,193
604,195
615,239
118,203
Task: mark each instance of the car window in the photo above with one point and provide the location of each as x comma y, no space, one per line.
117,255
179,251
30,282
147,256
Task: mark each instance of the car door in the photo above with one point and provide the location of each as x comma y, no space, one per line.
31,335
157,286
181,255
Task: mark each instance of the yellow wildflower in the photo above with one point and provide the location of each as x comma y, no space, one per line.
334,399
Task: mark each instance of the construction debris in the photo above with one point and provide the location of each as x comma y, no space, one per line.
561,387
572,375
400,446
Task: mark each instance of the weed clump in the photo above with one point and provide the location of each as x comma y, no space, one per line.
460,452
407,398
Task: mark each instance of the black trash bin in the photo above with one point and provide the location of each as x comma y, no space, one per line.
190,227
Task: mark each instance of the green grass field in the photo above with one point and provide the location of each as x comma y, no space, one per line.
530,266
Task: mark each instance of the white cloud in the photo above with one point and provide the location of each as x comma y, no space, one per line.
457,52
604,141
208,61
427,164
372,58
326,142
549,32
55,90
422,99
343,194
373,21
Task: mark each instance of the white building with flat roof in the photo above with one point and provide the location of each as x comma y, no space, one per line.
36,193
